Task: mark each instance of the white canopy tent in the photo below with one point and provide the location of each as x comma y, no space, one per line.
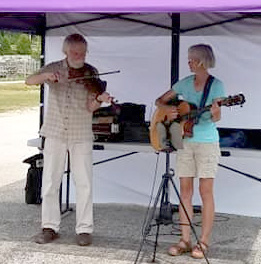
144,52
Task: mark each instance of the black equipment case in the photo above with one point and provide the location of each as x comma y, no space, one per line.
34,179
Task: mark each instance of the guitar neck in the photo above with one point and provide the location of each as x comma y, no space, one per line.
198,112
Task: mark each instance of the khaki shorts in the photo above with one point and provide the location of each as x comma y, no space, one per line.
198,160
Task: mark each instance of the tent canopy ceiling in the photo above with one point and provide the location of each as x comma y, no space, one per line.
98,23
23,21
29,15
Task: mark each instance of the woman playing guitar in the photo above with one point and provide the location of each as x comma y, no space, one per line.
200,152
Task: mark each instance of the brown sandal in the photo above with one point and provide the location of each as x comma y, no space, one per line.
180,248
199,250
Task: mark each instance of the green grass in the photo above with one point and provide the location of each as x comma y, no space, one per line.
17,96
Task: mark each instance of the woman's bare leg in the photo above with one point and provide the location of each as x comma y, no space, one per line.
186,193
208,208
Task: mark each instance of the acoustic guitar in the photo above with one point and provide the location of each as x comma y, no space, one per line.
187,116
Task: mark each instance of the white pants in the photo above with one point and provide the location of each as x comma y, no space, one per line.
55,152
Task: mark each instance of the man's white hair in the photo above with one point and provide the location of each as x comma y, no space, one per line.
72,39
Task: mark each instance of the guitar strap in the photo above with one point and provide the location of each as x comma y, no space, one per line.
205,95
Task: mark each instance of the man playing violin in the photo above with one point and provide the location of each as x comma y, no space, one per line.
67,128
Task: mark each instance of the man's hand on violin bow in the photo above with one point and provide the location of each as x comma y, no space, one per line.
51,77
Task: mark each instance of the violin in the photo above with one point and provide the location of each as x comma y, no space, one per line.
98,86
89,77
95,85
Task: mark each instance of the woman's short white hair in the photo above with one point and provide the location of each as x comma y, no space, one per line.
204,53
72,39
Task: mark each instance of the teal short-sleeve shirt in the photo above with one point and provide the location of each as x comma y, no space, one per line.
205,130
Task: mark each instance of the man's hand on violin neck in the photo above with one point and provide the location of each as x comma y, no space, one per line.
105,97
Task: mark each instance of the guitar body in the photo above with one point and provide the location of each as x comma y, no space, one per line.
187,115
160,116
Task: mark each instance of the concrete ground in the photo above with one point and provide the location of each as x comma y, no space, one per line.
16,128
117,236
118,227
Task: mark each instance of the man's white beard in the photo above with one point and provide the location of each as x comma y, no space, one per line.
75,65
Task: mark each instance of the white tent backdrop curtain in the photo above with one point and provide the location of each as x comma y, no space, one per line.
143,76
144,62
143,55
238,67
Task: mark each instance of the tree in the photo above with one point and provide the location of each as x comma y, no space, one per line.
5,47
36,47
12,43
23,45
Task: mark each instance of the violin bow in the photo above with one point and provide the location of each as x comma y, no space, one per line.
91,76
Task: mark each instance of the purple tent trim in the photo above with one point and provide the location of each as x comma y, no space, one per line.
128,6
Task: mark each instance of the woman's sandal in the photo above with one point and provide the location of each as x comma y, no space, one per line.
199,250
180,248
